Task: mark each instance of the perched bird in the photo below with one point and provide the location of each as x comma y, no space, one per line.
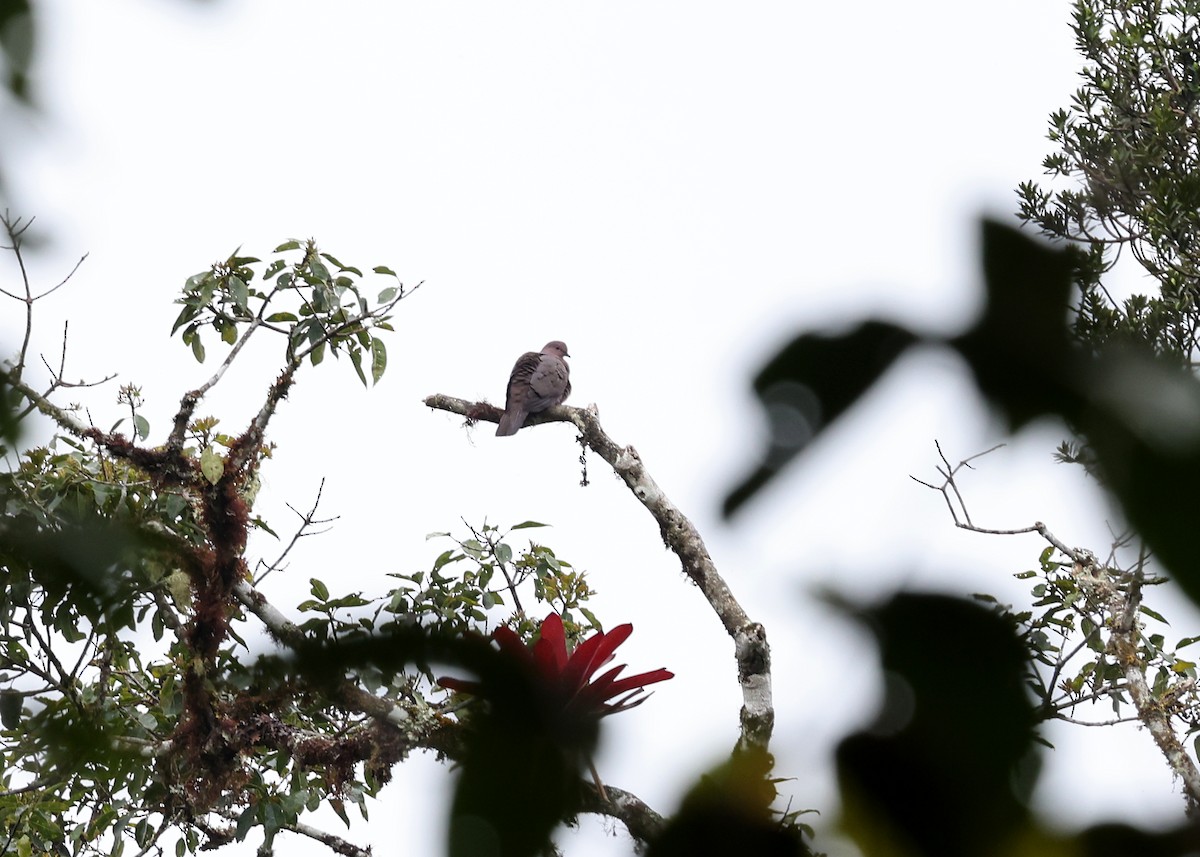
538,381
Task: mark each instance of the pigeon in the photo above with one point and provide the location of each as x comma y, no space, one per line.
538,381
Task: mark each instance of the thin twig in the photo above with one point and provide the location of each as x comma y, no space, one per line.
307,519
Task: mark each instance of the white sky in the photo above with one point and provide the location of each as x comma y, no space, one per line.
673,189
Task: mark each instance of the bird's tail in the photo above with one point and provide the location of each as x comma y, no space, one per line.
510,423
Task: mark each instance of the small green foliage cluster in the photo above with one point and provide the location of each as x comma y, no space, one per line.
317,302
1071,632
468,589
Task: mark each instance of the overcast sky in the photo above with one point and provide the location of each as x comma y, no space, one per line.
674,189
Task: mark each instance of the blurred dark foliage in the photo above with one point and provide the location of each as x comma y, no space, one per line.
1139,413
20,42
522,753
729,812
947,766
17,43
9,425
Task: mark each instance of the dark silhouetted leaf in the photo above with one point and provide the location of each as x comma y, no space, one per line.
946,765
812,382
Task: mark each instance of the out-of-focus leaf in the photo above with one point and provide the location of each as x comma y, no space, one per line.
729,812
11,702
1020,349
808,385
945,768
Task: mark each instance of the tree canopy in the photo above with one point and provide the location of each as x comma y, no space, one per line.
139,713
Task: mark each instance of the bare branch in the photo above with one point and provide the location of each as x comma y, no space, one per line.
229,358
64,280
64,420
642,822
307,519
1113,722
15,231
335,843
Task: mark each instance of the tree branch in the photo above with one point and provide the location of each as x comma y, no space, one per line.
335,843
1104,592
680,535
642,822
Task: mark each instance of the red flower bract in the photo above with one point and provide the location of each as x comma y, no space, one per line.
569,677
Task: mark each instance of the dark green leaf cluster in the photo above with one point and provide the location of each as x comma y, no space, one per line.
315,300
1127,171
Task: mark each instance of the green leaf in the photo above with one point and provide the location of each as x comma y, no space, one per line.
319,270
378,360
195,281
141,426
319,589
340,808
384,269
503,553
211,464
525,525
387,294
287,245
356,359
591,617
197,348
327,257
1152,614
240,292
229,333
262,525
317,354
244,823
186,314
277,317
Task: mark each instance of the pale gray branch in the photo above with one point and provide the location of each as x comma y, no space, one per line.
681,536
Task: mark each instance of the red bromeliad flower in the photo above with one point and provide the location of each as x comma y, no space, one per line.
568,677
